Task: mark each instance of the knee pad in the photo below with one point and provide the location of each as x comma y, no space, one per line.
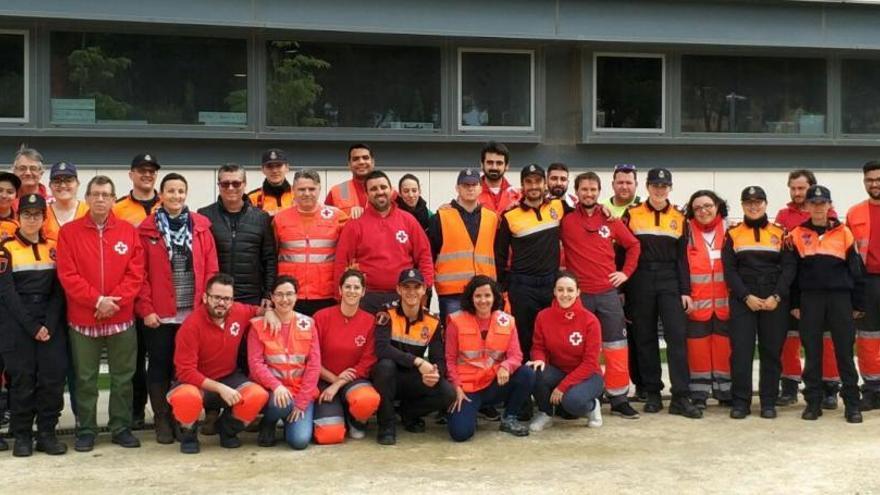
616,367
186,403
329,430
253,398
363,401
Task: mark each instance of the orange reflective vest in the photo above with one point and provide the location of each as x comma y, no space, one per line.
307,250
459,259
270,204
287,359
344,196
835,242
858,219
769,240
645,221
708,289
133,212
51,227
478,358
415,333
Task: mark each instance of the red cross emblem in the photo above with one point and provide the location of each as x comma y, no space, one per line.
604,231
401,236
302,323
503,319
234,329
326,213
360,340
121,248
575,338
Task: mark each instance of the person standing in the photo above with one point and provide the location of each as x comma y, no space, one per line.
351,196
275,195
411,201
557,184
624,182
64,184
496,193
28,167
101,265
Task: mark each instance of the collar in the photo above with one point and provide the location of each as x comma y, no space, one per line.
833,223
485,184
24,240
111,221
399,310
598,211
664,210
522,204
153,200
461,209
245,205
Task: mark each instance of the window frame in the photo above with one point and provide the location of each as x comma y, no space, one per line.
531,128
26,70
839,59
595,96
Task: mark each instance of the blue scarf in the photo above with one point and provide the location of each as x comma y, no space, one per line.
175,231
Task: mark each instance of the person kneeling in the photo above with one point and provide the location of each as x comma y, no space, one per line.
565,353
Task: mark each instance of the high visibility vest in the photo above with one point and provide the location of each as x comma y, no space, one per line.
769,239
344,196
835,242
459,259
287,359
858,219
646,221
132,211
478,359
270,204
417,333
307,251
32,265
708,289
51,227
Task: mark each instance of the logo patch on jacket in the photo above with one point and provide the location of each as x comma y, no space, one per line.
401,236
4,263
382,318
234,329
302,323
503,319
360,340
326,213
575,338
604,231
121,248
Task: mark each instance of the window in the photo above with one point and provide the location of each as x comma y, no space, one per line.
753,95
347,85
628,92
13,76
123,79
496,89
860,88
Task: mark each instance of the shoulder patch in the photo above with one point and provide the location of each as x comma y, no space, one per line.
382,318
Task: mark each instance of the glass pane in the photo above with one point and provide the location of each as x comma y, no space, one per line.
343,85
496,89
753,94
629,92
12,76
860,81
100,78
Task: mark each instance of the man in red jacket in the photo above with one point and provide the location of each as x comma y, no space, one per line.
589,236
382,243
101,265
793,214
497,194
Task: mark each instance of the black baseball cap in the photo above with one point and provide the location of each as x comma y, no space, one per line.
10,177
533,169
818,194
31,201
145,159
753,193
62,169
468,176
410,275
273,155
659,176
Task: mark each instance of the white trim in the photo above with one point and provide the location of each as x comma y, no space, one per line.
652,130
25,34
531,127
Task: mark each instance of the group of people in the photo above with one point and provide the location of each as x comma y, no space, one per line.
275,306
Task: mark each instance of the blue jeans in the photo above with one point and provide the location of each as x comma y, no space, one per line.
448,305
462,424
578,401
297,434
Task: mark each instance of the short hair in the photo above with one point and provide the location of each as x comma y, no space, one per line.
467,297
561,274
307,174
557,166
408,177
497,148
802,172
720,204
871,166
624,169
28,153
100,180
219,279
285,279
173,176
359,146
377,174
593,176
231,168
353,272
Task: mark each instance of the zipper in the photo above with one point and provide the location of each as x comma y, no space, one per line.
101,255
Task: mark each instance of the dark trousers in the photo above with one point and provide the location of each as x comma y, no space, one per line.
37,371
653,293
578,400
394,382
528,296
770,329
139,381
830,310
462,424
160,345
309,307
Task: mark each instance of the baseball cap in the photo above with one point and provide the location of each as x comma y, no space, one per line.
410,275
468,176
818,194
62,169
145,159
659,176
273,155
753,193
10,177
31,201
533,169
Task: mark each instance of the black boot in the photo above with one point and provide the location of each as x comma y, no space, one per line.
788,396
831,390
228,428
189,440
682,406
653,403
870,400
266,436
24,445
386,435
161,413
812,412
48,443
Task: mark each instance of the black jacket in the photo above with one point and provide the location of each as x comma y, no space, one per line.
245,249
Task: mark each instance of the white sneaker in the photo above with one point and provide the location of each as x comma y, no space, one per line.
540,421
594,417
355,433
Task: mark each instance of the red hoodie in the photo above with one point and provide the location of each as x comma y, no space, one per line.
569,339
93,263
157,293
791,216
346,342
589,242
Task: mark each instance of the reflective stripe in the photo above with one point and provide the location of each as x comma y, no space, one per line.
722,375
332,420
537,228
286,374
307,258
318,243
699,387
495,355
721,302
34,267
286,359
617,344
701,376
718,277
724,386
615,392
293,244
865,334
471,354
868,377
768,249
701,278
409,341
795,378
322,243
657,232
452,277
703,304
457,255
793,333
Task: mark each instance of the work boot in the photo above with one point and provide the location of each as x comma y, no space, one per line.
768,412
414,425
228,428
84,442
489,413
830,400
48,443
162,419
812,412
870,400
266,436
23,446
189,440
125,439
527,411
788,396
739,412
624,410
209,425
682,406
852,414
653,403
386,435
510,424
699,404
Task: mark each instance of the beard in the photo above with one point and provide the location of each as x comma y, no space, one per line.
874,195
217,313
557,192
493,175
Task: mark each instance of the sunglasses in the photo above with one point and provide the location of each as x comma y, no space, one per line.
624,167
230,184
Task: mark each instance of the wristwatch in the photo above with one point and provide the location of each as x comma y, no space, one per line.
776,297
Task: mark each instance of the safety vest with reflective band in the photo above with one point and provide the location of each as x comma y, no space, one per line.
344,196
307,251
769,239
51,227
708,289
834,242
132,211
479,359
287,359
858,219
32,265
414,334
523,221
646,221
459,259
269,203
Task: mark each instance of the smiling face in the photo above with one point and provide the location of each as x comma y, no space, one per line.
494,166
173,196
7,195
588,193
410,192
351,290
232,186
533,187
557,183
100,198
566,292
284,298
31,221
218,300
872,184
379,193
30,172
754,209
659,193
143,178
483,299
360,162
411,294
705,209
64,188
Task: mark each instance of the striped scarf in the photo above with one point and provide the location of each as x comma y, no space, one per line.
175,231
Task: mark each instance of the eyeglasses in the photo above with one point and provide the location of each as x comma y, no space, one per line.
871,181
146,170
705,207
286,295
26,168
31,215
624,167
230,184
220,299
102,195
69,179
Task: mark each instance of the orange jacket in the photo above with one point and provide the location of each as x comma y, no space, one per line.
345,196
131,211
307,249
459,259
858,219
507,197
836,242
51,227
478,359
708,289
270,204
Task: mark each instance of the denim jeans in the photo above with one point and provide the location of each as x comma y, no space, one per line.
448,305
578,400
462,424
297,434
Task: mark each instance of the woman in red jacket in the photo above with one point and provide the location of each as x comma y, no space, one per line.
345,335
180,258
565,352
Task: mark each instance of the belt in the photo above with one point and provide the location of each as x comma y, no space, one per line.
533,279
658,265
33,298
769,278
